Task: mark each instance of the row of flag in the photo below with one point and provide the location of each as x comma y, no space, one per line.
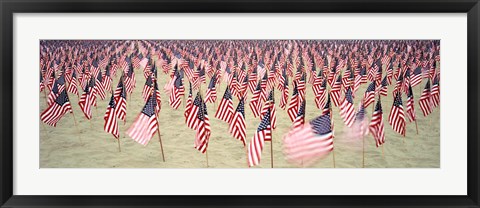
334,70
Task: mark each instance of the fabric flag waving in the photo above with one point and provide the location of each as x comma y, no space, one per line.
376,126
188,105
264,132
120,97
237,126
425,100
303,146
110,117
410,105
225,109
300,120
293,105
369,96
347,111
211,94
397,115
202,135
56,110
145,125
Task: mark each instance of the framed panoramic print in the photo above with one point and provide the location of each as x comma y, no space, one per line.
267,103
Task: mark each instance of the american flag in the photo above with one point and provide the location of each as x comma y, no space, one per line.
327,108
58,87
270,105
129,80
147,88
425,100
211,94
99,86
303,146
410,105
120,97
369,96
390,75
72,88
359,79
360,127
203,130
145,125
56,110
238,126
144,64
42,85
284,90
255,147
376,126
435,92
282,79
336,90
301,85
110,117
384,87
225,109
347,111
263,87
252,80
242,88
416,78
233,84
192,118
178,91
255,102
294,103
300,119
88,99
397,115
107,79
158,96
136,60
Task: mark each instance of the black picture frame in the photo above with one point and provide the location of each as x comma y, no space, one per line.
9,7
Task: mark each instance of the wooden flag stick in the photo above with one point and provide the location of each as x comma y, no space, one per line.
159,137
333,151
246,153
271,151
119,148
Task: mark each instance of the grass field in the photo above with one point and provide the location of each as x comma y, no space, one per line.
64,147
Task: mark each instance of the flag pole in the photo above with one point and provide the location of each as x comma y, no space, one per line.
271,139
160,137
246,153
119,148
158,125
271,150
